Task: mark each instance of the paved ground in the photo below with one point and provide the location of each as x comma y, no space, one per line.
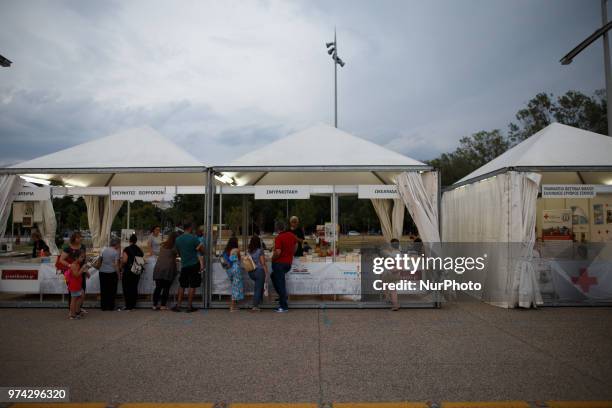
464,351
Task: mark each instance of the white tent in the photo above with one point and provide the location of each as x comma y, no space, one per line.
497,203
133,157
325,155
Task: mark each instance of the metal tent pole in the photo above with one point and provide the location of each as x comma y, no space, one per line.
606,46
208,225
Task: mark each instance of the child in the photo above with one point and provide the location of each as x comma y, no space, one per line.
74,281
234,272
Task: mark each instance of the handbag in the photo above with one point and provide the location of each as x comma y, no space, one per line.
247,263
138,265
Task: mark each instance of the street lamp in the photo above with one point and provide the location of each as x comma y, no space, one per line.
332,49
603,31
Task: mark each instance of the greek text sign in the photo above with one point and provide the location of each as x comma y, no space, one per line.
149,193
568,191
378,191
33,193
282,192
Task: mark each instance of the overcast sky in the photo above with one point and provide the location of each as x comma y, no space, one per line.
223,77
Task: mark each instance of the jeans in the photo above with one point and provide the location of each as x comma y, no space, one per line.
108,289
259,276
130,289
278,280
162,290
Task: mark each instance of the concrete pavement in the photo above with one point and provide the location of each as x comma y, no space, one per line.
464,351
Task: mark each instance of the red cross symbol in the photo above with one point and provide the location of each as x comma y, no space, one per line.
545,216
584,280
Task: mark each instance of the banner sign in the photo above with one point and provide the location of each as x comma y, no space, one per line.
378,191
27,193
305,278
20,279
575,280
149,193
282,192
568,191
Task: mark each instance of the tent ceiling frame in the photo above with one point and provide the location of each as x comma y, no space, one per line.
287,169
541,169
104,170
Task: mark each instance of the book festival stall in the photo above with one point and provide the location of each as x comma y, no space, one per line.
550,199
148,167
334,275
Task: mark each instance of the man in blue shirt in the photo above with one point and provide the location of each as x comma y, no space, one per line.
188,246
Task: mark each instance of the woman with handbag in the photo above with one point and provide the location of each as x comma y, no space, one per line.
231,257
133,265
257,270
74,251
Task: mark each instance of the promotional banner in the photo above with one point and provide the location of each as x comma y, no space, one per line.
282,192
573,280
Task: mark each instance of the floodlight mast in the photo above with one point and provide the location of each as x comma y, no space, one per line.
332,49
603,31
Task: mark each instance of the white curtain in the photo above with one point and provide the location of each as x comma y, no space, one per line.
525,290
9,186
48,226
421,199
99,219
397,218
382,208
497,215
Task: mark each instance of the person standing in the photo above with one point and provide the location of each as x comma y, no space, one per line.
154,241
74,251
258,275
188,247
109,274
164,272
39,245
129,280
294,224
285,245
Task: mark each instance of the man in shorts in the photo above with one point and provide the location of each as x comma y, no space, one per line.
188,247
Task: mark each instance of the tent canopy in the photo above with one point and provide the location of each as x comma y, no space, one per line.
560,152
135,157
318,155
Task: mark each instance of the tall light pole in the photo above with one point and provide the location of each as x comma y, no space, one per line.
332,49
603,31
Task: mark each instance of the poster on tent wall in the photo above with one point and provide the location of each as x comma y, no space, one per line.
577,280
557,225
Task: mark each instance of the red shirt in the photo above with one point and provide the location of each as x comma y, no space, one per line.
285,241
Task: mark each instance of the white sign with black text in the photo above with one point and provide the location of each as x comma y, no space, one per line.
27,193
282,192
378,191
568,191
148,193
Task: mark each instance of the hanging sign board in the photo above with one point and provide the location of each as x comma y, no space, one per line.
148,193
282,192
378,191
27,193
568,191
